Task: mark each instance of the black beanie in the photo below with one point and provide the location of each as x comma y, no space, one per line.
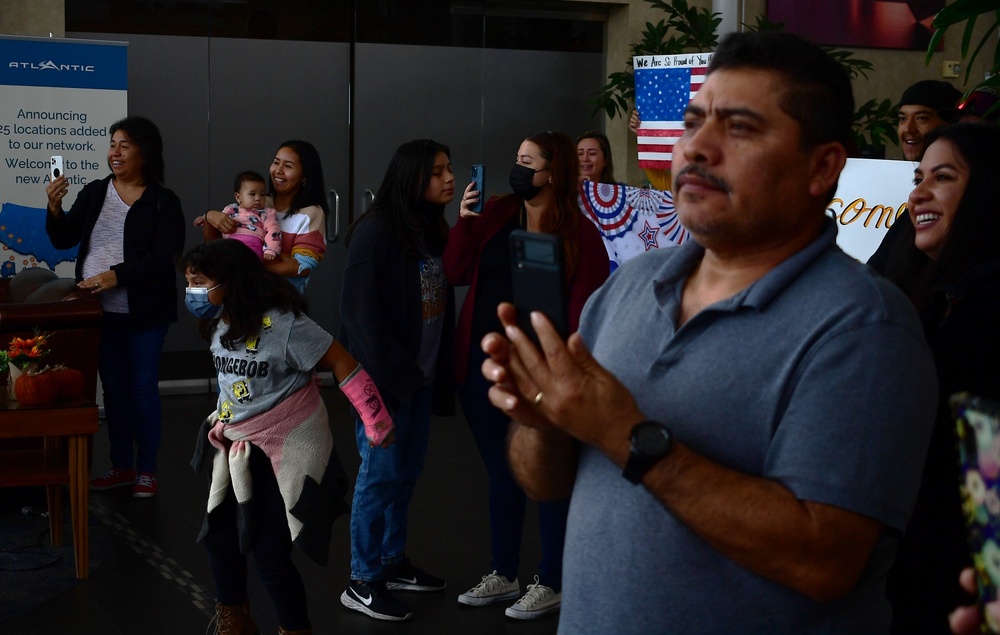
936,94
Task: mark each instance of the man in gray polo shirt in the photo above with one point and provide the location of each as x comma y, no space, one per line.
744,444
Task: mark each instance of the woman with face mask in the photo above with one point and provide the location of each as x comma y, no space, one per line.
544,181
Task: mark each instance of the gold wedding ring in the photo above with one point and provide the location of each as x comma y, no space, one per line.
538,398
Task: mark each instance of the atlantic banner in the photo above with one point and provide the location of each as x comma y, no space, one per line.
59,98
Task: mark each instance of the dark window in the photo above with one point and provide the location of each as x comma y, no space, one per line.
516,24
326,21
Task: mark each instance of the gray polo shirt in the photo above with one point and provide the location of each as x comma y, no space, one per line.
816,376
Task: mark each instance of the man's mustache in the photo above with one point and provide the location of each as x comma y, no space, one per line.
704,175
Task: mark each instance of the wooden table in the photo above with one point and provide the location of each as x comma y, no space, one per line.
59,425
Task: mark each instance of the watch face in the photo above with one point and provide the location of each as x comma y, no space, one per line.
652,439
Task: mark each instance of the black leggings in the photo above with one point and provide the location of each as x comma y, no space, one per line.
272,549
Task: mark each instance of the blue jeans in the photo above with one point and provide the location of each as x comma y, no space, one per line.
129,364
507,501
384,488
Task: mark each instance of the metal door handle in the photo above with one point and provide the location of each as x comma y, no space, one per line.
333,197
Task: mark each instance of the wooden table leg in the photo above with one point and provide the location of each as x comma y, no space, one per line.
53,493
79,501
54,502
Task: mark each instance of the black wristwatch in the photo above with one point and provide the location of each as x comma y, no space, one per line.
651,441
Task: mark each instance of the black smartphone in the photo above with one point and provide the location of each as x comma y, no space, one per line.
538,277
479,178
56,167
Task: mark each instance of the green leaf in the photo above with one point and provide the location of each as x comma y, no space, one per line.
932,46
962,10
967,36
975,54
762,24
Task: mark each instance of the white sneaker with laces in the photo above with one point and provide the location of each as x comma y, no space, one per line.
493,588
538,601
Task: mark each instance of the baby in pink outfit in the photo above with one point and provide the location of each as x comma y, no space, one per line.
256,225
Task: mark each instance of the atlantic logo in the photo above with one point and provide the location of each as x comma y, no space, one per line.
49,65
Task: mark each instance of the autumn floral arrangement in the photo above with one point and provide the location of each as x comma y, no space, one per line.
25,353
32,384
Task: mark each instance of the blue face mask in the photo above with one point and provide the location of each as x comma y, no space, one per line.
196,300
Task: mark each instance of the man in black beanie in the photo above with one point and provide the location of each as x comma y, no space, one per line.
926,105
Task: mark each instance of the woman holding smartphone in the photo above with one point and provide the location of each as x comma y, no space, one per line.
544,182
130,230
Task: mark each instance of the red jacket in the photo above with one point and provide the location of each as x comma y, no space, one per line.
461,266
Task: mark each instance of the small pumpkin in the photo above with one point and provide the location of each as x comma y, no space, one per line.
69,382
37,390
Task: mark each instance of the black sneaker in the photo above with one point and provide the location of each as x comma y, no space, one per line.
406,577
372,599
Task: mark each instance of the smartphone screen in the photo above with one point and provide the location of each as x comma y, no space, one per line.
479,178
56,167
977,423
538,277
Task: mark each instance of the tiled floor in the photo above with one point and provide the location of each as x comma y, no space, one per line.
156,580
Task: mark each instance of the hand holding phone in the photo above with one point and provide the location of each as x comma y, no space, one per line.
55,167
538,278
479,180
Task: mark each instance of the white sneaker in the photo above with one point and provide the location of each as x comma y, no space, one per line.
538,601
493,588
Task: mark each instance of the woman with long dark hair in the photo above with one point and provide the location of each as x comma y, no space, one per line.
396,318
593,151
953,278
297,192
544,181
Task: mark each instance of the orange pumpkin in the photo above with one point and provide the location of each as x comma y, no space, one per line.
36,390
70,383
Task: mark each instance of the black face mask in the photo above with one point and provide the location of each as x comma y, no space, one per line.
521,177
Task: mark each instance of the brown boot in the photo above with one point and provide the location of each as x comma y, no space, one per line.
234,619
307,631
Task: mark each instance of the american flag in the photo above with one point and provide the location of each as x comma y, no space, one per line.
664,85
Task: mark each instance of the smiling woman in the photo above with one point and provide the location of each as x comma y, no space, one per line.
297,192
130,268
938,193
954,280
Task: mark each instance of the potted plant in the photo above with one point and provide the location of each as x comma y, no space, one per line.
968,11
